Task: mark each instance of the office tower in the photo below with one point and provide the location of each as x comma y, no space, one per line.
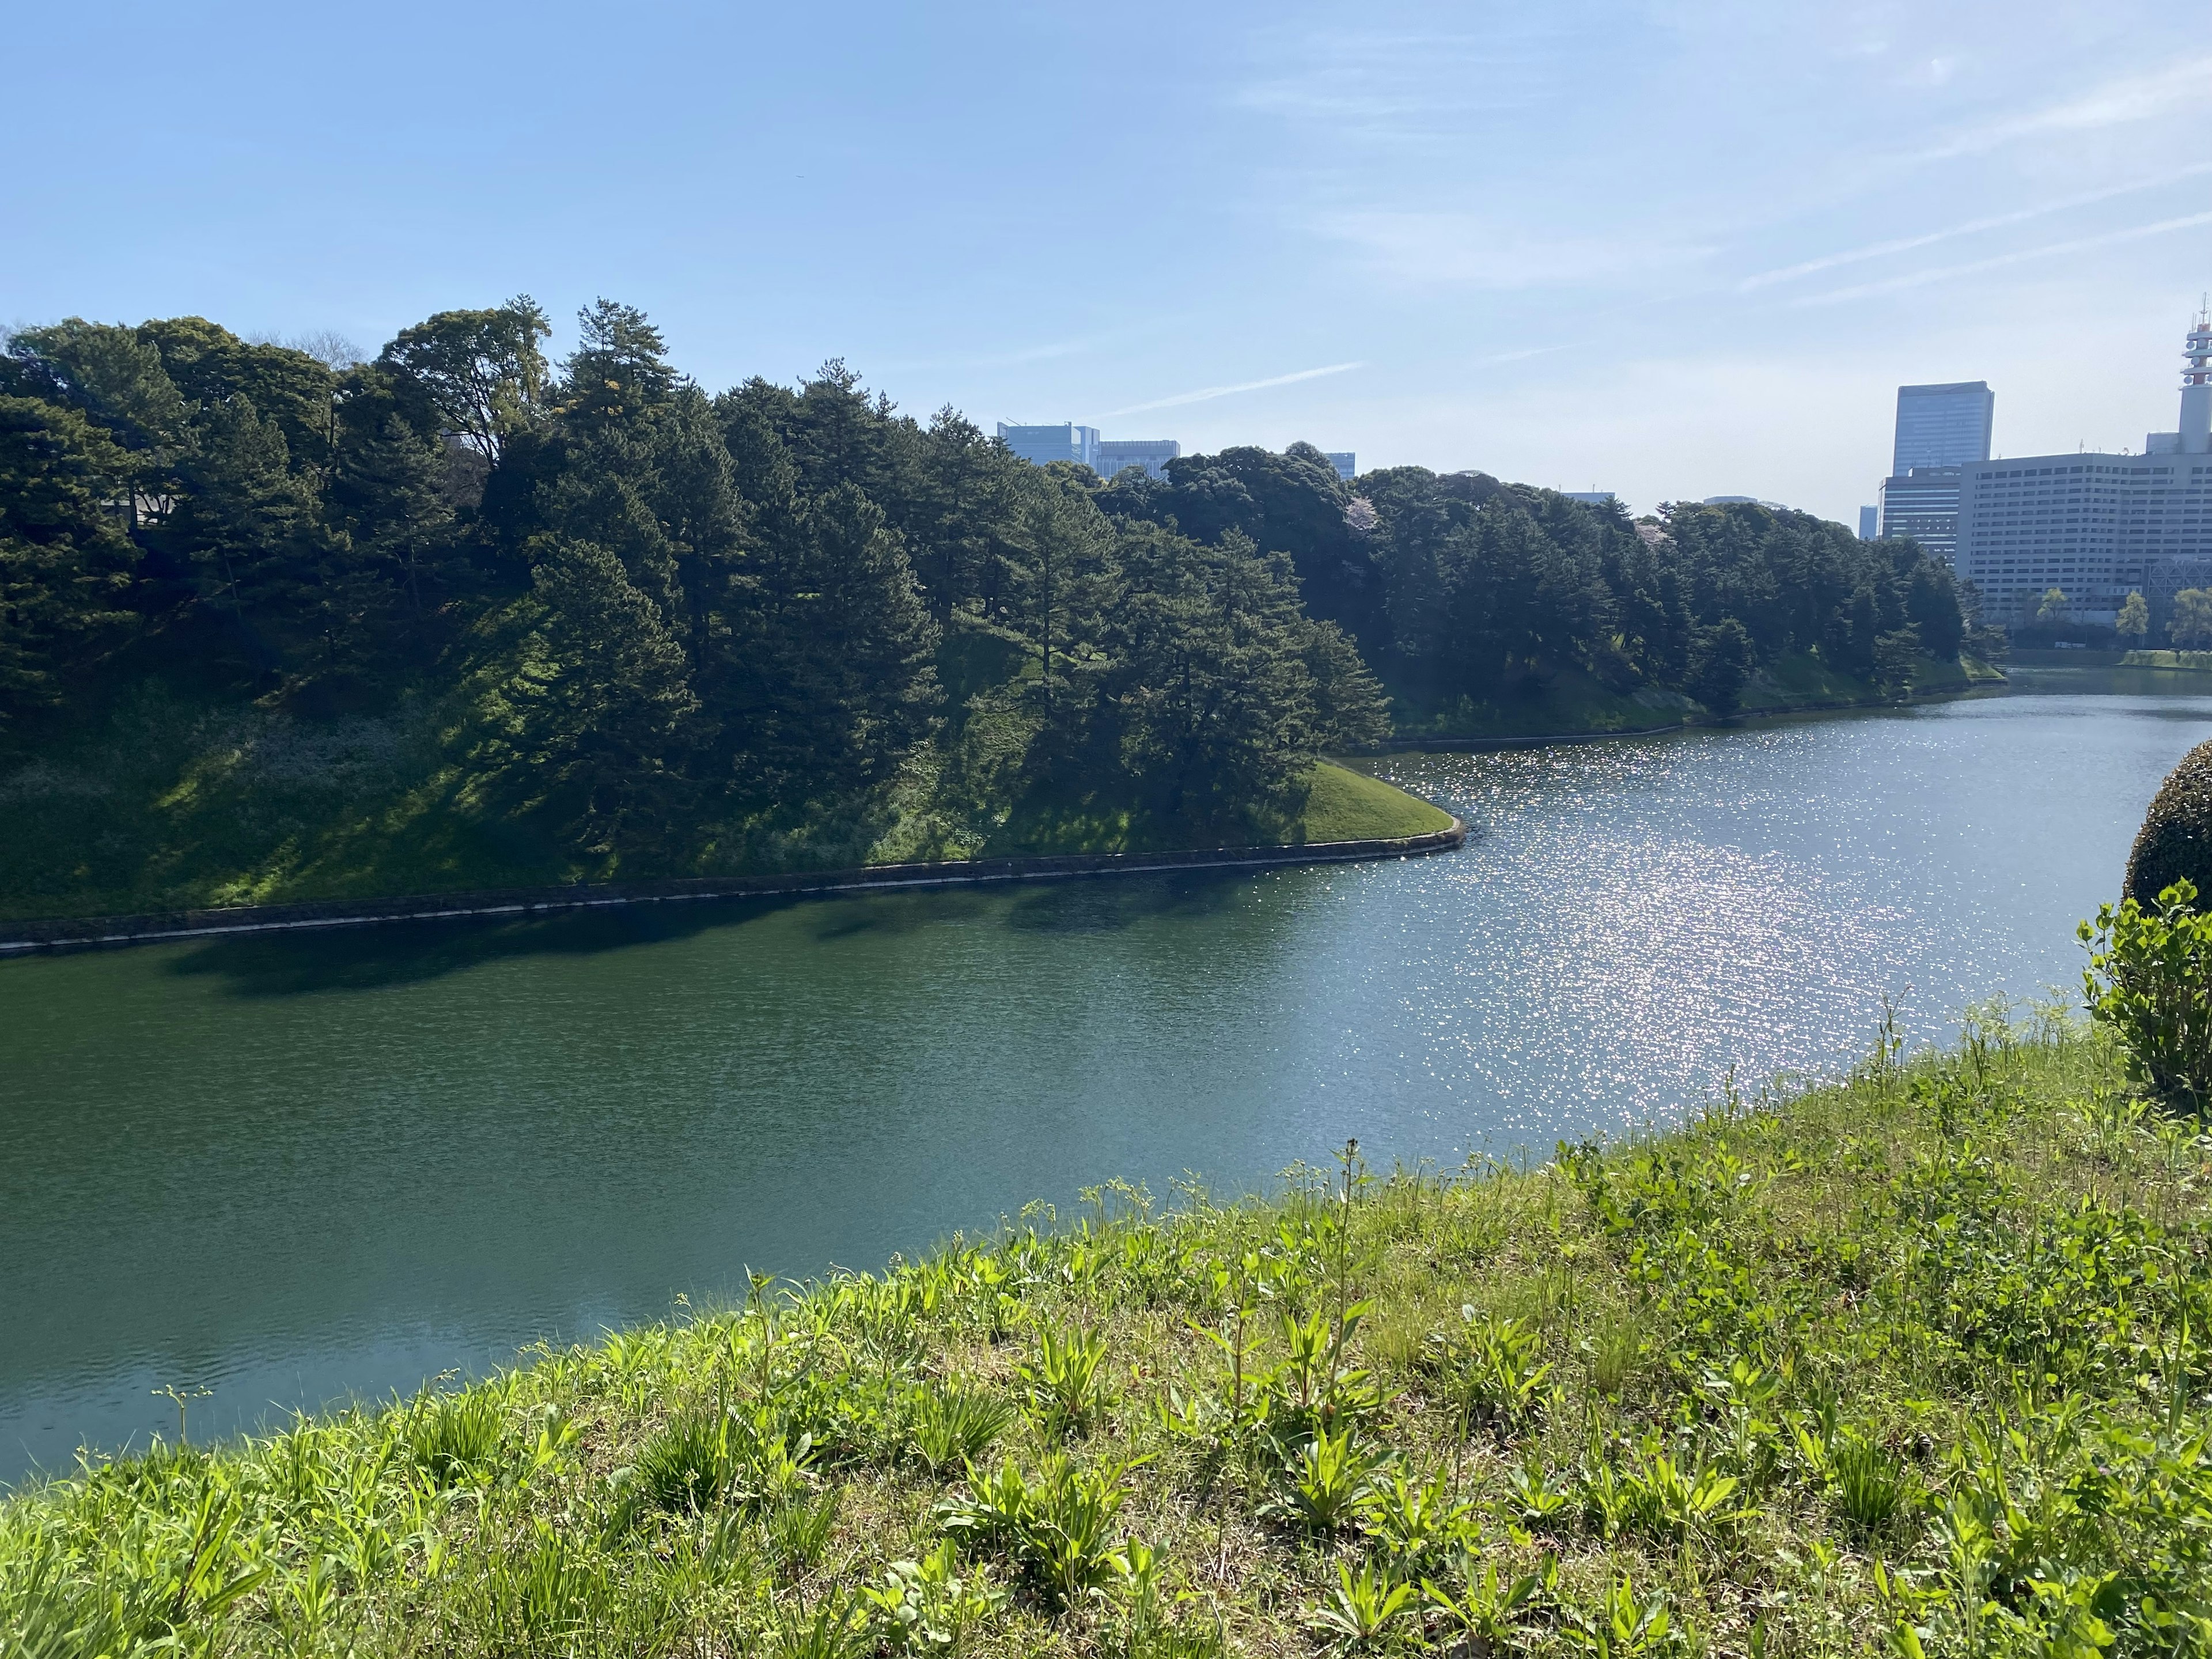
1940,428
1590,497
1870,523
1944,425
1043,444
1923,504
1345,461
1152,454
2097,526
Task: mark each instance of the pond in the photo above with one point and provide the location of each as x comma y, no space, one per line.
294,1168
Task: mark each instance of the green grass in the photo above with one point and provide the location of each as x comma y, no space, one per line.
1342,804
2195,661
1916,1361
1339,804
173,803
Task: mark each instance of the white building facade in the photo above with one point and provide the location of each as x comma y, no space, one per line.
2097,527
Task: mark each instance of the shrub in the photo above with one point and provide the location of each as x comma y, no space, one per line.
2175,841
2149,982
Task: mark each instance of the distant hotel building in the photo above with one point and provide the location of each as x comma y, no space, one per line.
1152,454
1940,428
2095,526
1870,523
1346,461
1041,446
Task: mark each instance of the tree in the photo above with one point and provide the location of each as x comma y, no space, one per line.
65,562
2053,607
1721,661
2134,621
2191,626
1895,656
482,372
390,495
583,711
619,366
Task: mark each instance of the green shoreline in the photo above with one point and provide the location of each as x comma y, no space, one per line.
1904,1359
1573,708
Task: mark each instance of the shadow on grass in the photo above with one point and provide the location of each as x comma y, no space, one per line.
369,958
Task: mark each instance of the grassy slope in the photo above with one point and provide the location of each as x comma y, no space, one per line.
1904,1351
1572,703
173,803
1339,804
1342,804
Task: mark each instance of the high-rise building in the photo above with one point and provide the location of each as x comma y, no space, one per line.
1870,523
2097,526
1152,454
1945,425
1940,428
1043,444
1923,504
1346,461
1591,497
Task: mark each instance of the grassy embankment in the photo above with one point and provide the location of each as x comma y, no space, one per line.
1570,701
167,804
2193,661
1917,1358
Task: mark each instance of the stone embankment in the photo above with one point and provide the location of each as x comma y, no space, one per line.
78,933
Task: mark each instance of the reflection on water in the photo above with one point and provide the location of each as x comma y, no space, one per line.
291,1167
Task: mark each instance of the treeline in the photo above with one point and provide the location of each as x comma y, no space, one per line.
653,617
664,621
1460,587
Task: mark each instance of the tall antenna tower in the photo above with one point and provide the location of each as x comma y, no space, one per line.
2197,384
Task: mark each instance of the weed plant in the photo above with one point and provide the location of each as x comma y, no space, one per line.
1911,1363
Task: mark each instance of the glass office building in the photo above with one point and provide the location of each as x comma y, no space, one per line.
1043,444
1923,504
1940,428
1346,461
1152,454
1945,425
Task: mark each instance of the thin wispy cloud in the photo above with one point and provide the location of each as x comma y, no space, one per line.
1970,228
1499,359
1404,85
1422,246
1999,262
2115,103
1208,393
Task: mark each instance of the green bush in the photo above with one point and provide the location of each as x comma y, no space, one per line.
2175,841
2149,983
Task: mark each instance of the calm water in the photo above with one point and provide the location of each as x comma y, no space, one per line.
289,1168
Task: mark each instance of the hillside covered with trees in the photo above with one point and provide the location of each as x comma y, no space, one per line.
455,615
1474,598
275,623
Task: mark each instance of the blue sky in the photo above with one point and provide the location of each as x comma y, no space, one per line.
1673,249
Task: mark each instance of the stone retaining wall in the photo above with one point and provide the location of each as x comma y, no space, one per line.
83,932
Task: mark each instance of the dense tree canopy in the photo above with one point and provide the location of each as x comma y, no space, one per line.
652,617
661,620
1460,585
